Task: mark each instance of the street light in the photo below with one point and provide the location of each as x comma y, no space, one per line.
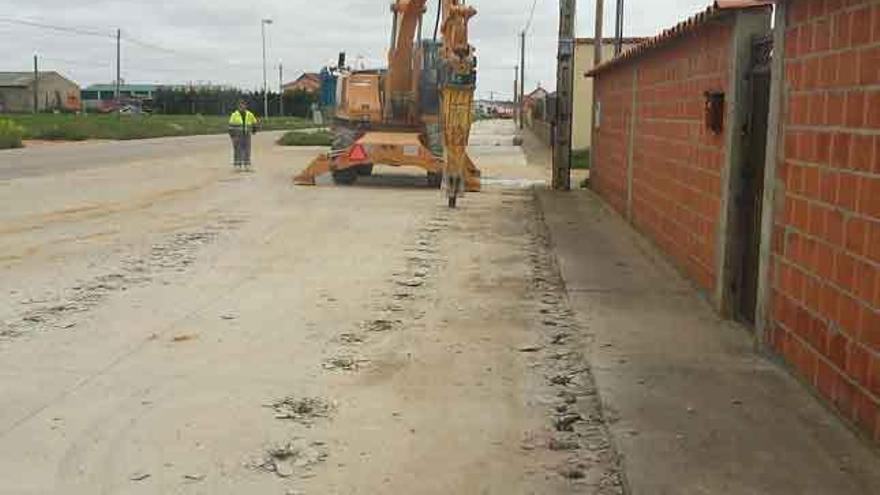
265,74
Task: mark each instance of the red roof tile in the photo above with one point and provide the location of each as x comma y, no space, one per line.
718,8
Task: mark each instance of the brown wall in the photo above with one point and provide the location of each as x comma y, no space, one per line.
825,317
674,176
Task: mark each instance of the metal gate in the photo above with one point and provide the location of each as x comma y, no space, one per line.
751,191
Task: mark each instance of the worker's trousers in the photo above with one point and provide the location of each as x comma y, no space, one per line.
241,149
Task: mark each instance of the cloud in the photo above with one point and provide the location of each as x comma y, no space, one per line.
219,41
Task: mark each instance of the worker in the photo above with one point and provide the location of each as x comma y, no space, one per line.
242,124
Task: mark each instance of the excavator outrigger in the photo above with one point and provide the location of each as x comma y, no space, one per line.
418,112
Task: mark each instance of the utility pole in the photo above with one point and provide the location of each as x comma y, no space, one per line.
564,97
516,98
36,86
118,68
597,43
280,89
522,80
618,29
265,73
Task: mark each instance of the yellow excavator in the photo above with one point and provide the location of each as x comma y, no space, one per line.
418,112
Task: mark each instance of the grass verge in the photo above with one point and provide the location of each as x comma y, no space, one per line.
65,127
11,135
293,138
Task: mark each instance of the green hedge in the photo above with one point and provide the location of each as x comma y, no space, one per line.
293,138
11,135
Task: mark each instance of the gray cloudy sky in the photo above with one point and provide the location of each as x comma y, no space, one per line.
218,41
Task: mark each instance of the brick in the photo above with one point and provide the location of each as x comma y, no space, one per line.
872,249
874,376
824,261
869,331
834,108
856,240
869,66
825,376
869,196
828,186
844,271
823,148
875,22
840,148
866,412
836,348
829,302
875,166
848,191
834,227
816,108
862,155
840,30
844,394
856,102
848,315
866,280
817,219
872,119
848,71
861,27
857,362
811,182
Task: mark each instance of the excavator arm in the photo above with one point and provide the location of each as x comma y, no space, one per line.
458,83
400,84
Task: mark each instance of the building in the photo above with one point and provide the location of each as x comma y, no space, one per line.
495,108
584,58
54,92
310,82
747,151
102,97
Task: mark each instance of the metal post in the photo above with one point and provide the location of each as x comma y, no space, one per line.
36,86
564,97
265,73
597,43
117,94
516,110
522,80
618,29
280,89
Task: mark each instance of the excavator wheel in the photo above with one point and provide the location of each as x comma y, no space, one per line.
345,177
435,180
364,170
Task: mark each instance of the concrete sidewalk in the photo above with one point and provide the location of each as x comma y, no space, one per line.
694,408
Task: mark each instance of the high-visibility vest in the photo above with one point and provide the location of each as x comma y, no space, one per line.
246,124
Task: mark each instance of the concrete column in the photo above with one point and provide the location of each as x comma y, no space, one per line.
747,25
772,185
631,143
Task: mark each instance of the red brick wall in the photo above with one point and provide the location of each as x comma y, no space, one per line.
610,152
677,162
825,318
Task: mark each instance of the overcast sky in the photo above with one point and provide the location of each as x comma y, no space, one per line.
219,41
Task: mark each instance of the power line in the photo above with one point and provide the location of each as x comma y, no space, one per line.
63,29
531,16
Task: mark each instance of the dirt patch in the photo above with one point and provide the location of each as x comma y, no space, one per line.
296,457
172,256
303,410
576,413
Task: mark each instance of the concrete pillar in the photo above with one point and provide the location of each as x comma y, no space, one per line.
772,184
747,25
